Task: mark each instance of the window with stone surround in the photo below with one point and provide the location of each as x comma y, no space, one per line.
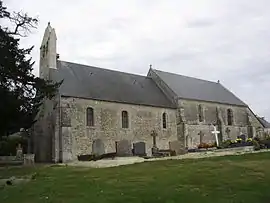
124,119
200,110
230,116
164,120
90,116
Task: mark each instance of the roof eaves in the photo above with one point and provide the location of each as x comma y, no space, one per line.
124,102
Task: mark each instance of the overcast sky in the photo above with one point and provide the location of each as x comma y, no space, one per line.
226,40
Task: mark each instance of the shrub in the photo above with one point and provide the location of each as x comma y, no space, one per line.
226,144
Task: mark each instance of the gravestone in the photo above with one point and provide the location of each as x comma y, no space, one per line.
123,148
19,152
98,147
216,132
228,131
176,146
201,134
139,149
28,159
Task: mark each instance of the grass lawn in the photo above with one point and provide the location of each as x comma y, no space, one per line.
231,179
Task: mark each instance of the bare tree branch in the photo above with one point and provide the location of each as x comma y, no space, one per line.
23,24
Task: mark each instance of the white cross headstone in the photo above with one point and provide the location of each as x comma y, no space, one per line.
216,132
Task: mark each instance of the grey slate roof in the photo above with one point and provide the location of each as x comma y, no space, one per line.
197,89
264,122
107,85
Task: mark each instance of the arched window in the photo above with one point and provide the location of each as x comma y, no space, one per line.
124,119
230,116
164,121
200,110
90,116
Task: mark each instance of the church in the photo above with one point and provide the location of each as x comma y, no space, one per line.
95,103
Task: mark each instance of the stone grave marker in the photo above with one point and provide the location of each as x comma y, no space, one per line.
98,147
201,134
228,132
19,152
216,132
139,149
123,148
155,150
176,146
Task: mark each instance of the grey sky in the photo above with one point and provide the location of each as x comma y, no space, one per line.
226,40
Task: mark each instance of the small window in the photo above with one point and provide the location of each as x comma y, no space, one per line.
43,50
230,116
90,116
164,121
124,119
47,47
200,109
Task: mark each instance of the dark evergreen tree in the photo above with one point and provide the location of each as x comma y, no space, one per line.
21,92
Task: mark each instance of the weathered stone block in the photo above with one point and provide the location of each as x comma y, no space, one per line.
123,148
139,149
98,147
177,146
28,159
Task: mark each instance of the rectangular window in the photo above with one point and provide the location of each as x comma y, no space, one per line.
164,120
90,116
124,119
200,109
230,117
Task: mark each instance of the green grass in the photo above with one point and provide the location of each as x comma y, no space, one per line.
231,179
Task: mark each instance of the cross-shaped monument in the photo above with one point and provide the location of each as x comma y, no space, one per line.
154,135
216,132
154,148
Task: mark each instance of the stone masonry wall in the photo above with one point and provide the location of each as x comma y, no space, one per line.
191,114
43,132
77,137
193,137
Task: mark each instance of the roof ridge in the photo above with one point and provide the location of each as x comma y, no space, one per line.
200,89
105,69
186,76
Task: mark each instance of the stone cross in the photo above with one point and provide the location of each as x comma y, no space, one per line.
154,135
201,134
216,132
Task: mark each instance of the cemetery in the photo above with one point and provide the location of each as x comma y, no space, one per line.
126,153
13,151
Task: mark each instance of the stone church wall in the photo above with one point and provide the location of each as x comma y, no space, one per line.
43,132
191,113
78,137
